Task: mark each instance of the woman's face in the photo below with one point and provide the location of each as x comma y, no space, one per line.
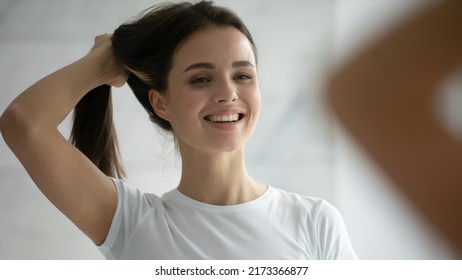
213,97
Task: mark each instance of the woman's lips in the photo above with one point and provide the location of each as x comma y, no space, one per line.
224,118
225,122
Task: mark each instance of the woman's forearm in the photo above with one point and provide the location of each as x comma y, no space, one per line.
47,102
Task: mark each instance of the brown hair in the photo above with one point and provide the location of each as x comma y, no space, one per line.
145,46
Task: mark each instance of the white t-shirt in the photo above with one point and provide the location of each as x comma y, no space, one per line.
276,225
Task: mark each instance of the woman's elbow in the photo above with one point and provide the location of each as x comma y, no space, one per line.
14,124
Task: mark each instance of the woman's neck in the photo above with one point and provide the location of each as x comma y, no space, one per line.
217,178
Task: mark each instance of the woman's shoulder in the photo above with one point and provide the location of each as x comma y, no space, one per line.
294,197
315,206
130,194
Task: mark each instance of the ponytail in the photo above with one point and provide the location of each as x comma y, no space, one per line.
93,131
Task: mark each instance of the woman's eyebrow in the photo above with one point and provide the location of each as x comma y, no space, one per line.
201,65
206,65
243,63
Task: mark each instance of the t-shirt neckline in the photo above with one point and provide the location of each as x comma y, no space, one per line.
177,195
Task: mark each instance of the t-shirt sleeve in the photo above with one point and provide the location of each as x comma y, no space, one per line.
132,206
333,239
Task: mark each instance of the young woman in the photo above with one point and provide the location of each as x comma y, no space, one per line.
194,69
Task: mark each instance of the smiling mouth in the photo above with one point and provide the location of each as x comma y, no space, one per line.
224,118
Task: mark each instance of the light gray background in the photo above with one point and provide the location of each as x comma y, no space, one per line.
297,145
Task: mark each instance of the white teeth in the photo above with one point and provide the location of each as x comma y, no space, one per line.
224,118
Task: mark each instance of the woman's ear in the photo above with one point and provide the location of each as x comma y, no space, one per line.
158,104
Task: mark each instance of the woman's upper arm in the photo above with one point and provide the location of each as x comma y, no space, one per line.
64,175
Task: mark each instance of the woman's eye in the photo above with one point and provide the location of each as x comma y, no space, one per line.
243,77
200,80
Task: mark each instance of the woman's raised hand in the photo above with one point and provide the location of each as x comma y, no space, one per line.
113,72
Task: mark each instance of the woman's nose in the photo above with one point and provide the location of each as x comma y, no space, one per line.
226,92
